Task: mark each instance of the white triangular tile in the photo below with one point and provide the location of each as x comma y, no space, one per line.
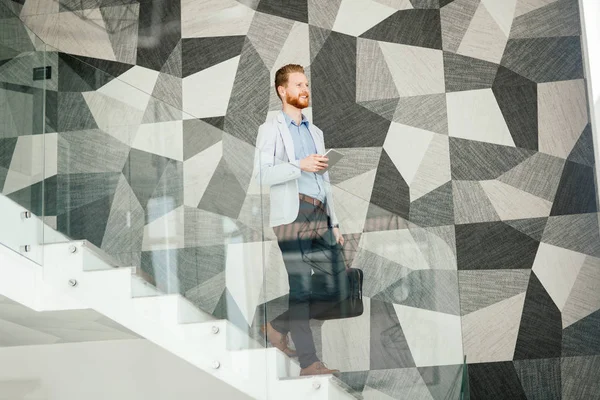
557,270
406,147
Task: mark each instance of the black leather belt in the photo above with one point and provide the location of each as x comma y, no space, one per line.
311,200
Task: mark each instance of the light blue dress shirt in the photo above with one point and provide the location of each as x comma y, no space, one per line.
309,183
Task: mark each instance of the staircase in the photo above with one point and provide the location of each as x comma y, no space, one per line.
77,275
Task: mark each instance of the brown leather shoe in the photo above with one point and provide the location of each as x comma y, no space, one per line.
278,340
318,368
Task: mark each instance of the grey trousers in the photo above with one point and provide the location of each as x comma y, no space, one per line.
316,275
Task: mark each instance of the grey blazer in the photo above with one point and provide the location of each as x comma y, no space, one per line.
275,149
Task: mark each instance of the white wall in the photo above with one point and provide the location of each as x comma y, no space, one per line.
590,10
118,370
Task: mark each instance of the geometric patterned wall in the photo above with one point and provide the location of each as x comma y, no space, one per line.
467,193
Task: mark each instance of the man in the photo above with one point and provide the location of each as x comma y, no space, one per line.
303,218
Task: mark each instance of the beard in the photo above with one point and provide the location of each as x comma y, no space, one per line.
297,101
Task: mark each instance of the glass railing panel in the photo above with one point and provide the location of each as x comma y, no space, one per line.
403,339
158,189
25,76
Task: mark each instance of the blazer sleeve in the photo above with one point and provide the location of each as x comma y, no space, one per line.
329,192
270,169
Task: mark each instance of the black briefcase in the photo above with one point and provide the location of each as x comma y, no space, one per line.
350,307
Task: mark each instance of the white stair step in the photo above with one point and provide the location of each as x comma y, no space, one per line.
141,288
172,309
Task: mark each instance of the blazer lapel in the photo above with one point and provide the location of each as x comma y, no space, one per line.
286,135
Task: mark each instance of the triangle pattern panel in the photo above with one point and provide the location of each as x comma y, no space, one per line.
323,13
297,10
484,39
415,71
352,333
143,171
471,205
527,6
274,27
87,221
481,289
77,75
373,76
437,244
530,373
155,55
554,58
79,117
583,151
234,18
90,151
389,348
249,101
317,37
122,26
580,376
503,13
519,106
560,18
435,208
223,180
124,234
574,232
507,386
563,116
168,194
385,108
406,147
390,190
387,244
493,245
538,175
295,50
581,339
355,17
435,290
540,332
557,269
356,162
455,20
434,170
397,4
215,83
442,381
473,160
491,332
512,203
466,73
199,135
477,102
425,112
165,103
576,193
443,343
532,227
425,4
164,139
407,384
408,27
584,298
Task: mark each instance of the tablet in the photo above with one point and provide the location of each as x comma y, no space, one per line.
334,156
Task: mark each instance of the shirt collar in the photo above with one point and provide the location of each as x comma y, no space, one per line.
289,121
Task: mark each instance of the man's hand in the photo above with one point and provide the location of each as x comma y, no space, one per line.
313,163
338,236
